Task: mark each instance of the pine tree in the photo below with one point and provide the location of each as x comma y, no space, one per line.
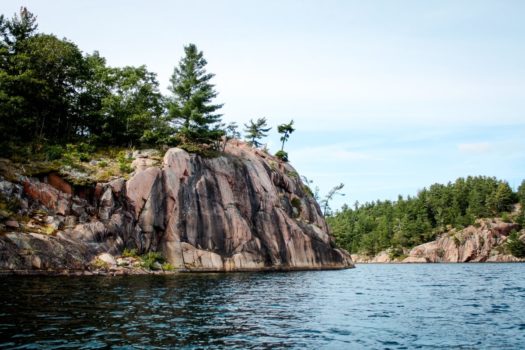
230,133
521,194
191,107
501,200
256,131
325,203
18,29
286,130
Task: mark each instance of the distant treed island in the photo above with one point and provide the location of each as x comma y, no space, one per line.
397,226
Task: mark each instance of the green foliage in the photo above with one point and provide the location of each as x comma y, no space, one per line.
230,132
130,253
307,188
521,200
18,28
292,174
282,155
190,107
100,264
407,222
285,130
521,194
50,93
515,246
200,149
501,199
506,217
40,82
54,152
308,191
255,131
167,267
124,161
457,241
149,259
325,203
53,94
77,153
8,206
296,203
129,109
396,252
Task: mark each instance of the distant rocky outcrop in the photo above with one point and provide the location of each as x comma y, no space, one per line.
242,211
482,242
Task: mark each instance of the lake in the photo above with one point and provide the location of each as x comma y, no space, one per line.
468,306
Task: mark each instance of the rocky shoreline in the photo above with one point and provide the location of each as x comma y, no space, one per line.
145,272
242,211
485,241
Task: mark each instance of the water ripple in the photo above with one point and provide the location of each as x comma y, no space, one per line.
373,306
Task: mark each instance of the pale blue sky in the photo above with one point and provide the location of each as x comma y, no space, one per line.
388,96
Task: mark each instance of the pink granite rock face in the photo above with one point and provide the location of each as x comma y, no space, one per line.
472,244
242,211
482,242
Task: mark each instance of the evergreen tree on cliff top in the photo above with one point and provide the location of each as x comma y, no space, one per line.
256,130
191,109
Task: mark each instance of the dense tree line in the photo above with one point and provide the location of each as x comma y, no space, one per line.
407,222
52,94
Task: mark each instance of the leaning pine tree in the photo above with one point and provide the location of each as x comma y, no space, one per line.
256,131
190,109
285,130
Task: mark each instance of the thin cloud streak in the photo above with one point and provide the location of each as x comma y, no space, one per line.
476,148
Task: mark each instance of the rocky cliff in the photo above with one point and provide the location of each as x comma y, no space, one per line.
483,242
244,210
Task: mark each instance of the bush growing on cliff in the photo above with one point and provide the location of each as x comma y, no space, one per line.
150,259
129,253
282,155
297,205
167,267
124,161
99,264
53,152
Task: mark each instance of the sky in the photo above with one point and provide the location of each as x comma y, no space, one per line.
387,96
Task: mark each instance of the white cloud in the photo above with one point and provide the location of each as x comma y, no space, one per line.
481,147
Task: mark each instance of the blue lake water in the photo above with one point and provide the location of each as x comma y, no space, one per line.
468,306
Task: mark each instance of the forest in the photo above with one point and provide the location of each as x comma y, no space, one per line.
53,97
407,222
